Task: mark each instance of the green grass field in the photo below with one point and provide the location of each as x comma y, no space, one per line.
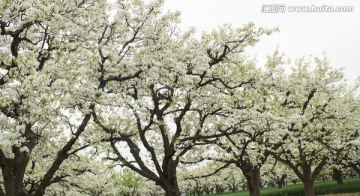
350,185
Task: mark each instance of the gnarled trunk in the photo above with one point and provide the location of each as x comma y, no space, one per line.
233,188
336,175
13,171
169,180
219,189
208,190
172,191
309,187
252,175
280,182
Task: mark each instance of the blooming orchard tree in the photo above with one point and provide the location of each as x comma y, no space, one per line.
62,62
345,153
129,182
49,75
195,181
85,177
196,187
312,103
233,179
274,173
77,84
245,149
253,112
174,103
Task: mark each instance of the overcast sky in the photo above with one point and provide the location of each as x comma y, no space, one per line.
335,33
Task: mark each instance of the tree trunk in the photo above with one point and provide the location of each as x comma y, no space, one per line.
13,169
169,183
13,174
336,175
219,189
309,187
281,181
208,190
233,188
252,175
197,191
172,192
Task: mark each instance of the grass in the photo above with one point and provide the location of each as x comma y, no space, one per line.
350,185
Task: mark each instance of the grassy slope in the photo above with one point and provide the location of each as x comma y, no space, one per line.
321,188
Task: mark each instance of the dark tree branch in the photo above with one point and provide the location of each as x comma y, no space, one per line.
62,155
309,97
214,136
121,78
78,149
290,164
144,171
318,168
210,174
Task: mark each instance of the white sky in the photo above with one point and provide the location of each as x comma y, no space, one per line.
337,34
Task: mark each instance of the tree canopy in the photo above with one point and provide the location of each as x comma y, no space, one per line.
105,98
